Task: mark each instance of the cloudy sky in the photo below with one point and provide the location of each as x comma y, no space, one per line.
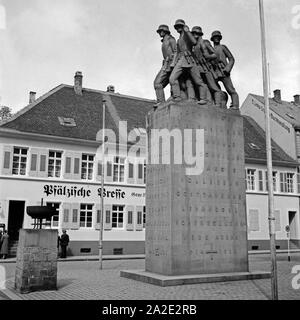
43,43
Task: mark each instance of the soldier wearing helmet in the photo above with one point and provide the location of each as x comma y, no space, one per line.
168,51
225,62
185,63
204,53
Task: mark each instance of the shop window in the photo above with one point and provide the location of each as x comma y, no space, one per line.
54,164
118,169
19,161
117,216
87,165
250,179
86,215
54,221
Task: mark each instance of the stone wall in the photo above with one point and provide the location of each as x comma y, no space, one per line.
36,267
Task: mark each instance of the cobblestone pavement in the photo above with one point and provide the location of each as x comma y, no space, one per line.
83,281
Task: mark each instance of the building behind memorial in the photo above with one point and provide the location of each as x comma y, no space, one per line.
50,150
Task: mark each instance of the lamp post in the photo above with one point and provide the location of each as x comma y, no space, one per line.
102,188
271,216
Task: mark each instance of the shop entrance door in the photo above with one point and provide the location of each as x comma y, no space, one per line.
15,218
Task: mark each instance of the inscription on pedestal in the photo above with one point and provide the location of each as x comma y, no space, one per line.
197,223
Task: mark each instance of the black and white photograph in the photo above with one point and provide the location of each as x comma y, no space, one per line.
149,153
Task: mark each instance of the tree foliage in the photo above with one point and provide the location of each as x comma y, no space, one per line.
5,113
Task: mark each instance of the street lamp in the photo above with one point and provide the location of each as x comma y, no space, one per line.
271,216
102,188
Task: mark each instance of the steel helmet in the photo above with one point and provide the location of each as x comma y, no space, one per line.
197,30
216,34
163,27
179,22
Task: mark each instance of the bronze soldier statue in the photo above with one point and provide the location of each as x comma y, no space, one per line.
185,62
204,53
168,50
224,64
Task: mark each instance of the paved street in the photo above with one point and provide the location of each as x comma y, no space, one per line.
82,280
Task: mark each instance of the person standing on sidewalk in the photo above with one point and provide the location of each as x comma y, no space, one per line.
64,242
4,245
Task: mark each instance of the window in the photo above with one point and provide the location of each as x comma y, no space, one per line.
298,180
118,169
54,165
117,216
274,181
54,221
144,217
19,161
145,170
87,165
86,215
67,122
130,217
250,179
253,146
139,217
286,182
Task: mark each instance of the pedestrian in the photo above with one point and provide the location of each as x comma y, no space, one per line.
4,245
64,241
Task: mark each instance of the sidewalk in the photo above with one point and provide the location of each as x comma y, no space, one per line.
88,258
135,256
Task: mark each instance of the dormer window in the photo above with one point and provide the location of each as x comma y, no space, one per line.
254,146
67,122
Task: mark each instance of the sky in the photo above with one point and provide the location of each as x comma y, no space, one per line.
44,42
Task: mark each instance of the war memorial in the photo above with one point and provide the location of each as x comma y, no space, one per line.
196,229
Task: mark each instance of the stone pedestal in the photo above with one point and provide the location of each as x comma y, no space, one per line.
36,267
196,219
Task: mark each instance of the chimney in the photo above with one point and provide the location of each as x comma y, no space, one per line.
297,99
78,83
32,95
111,89
277,95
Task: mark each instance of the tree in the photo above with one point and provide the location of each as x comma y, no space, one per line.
5,113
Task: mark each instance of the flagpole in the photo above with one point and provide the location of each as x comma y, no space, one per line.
102,188
271,216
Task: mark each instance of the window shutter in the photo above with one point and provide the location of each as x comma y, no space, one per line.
139,219
43,163
107,217
130,171
108,165
282,189
66,215
253,220
7,160
68,157
33,168
77,166
75,216
97,217
140,171
129,218
99,170
277,220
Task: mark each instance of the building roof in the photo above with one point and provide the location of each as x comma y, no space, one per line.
287,110
43,116
84,113
255,146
